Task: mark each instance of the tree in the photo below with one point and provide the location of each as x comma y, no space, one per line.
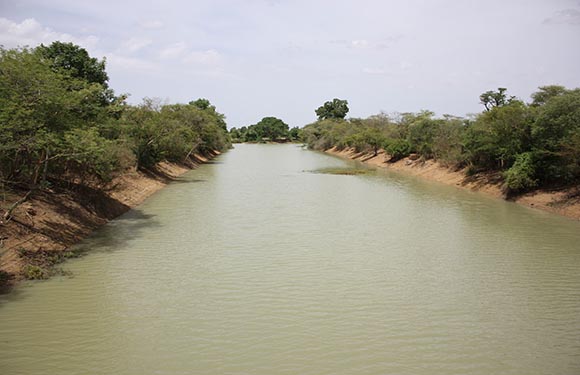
335,109
421,131
201,103
499,135
206,106
272,128
44,115
497,98
295,133
556,137
75,61
545,93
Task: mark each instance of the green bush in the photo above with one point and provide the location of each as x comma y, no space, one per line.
521,176
397,149
32,272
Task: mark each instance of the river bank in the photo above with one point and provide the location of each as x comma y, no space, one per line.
42,228
565,202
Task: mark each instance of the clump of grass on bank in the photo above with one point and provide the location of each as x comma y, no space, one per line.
40,264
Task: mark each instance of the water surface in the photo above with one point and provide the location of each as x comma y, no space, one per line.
254,264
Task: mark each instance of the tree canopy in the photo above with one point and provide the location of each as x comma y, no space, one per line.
60,121
498,98
268,128
74,60
335,109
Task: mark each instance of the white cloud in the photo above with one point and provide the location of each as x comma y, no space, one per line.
374,71
135,44
31,33
119,62
566,17
174,51
152,24
363,43
209,57
376,44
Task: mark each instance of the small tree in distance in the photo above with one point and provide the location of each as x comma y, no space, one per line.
498,98
272,128
335,109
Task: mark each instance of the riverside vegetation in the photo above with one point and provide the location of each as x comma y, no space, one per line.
269,129
531,145
62,126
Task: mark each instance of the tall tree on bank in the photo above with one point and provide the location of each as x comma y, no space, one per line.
272,128
335,109
491,99
75,61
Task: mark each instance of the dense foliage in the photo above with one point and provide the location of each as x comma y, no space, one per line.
59,120
270,129
536,144
334,109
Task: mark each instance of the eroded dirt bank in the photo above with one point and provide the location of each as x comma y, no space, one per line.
40,230
565,202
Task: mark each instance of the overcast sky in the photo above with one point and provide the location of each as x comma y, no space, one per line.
284,58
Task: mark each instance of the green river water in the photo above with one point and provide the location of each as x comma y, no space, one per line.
256,264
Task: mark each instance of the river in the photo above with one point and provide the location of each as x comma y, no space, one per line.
256,263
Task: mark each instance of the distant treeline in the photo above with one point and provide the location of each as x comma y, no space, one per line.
60,120
269,129
532,145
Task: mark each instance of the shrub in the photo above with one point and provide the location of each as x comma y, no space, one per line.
32,272
521,176
397,149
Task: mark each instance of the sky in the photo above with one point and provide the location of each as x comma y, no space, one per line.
285,58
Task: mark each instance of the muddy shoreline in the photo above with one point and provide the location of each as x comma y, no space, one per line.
563,201
43,228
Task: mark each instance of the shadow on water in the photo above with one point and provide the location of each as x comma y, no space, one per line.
10,294
117,233
186,181
106,239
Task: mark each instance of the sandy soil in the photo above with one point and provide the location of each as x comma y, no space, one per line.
565,202
49,222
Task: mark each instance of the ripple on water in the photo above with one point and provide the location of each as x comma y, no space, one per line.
266,269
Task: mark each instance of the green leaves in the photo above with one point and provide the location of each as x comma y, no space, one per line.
173,132
335,109
491,99
59,120
532,145
70,59
521,176
268,128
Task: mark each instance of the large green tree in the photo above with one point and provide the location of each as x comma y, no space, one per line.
44,114
75,61
556,137
545,93
491,99
334,109
272,128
